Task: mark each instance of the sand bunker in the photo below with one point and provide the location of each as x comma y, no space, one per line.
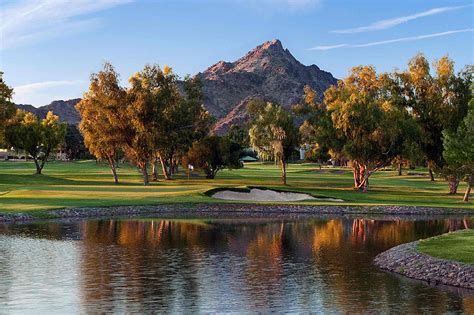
256,194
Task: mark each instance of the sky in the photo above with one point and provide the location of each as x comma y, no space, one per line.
49,48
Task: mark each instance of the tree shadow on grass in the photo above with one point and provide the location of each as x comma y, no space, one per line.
33,179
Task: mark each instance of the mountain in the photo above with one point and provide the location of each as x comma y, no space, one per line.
64,109
269,71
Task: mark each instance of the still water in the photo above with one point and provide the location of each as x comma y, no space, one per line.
259,265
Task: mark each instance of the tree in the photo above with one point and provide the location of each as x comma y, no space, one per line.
317,130
373,129
272,132
151,90
74,143
212,154
103,121
37,137
7,108
436,102
459,148
239,134
53,135
183,120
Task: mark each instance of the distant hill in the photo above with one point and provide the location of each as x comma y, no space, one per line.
269,71
64,109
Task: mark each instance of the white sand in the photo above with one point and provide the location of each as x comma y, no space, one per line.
266,195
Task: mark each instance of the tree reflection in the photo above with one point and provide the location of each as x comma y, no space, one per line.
179,265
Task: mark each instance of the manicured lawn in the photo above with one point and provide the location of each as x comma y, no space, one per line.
86,183
458,246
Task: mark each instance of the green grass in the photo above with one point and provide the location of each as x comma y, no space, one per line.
458,246
87,184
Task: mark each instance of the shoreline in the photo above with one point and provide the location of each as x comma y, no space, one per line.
224,210
407,261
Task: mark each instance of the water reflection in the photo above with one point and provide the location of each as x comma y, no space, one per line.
217,265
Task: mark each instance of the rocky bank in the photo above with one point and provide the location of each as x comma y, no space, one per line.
407,261
244,210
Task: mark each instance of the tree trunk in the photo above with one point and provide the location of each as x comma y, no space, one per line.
170,168
365,180
283,172
155,170
163,167
363,177
38,166
145,174
399,169
453,185
211,174
43,161
431,174
356,171
113,168
466,194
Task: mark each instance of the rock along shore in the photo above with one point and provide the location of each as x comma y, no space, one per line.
238,210
406,260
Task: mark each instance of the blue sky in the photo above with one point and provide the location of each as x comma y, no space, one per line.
49,48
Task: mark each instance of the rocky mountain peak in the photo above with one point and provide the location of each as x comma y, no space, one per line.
269,54
268,71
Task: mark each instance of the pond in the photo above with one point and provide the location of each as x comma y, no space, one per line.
234,265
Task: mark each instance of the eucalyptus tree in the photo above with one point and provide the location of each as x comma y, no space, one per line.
103,121
183,120
459,148
371,127
437,102
150,91
37,137
317,131
272,132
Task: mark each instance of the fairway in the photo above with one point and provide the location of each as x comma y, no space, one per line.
89,184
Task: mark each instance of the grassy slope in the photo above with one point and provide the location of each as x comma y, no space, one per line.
85,183
458,246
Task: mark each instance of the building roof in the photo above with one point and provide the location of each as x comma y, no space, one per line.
248,158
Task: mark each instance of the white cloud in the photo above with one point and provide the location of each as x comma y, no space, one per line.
42,93
389,23
28,21
390,41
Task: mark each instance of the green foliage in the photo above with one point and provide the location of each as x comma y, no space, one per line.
150,91
24,133
7,108
239,134
35,136
74,143
436,102
459,149
317,130
459,145
212,154
182,121
272,132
